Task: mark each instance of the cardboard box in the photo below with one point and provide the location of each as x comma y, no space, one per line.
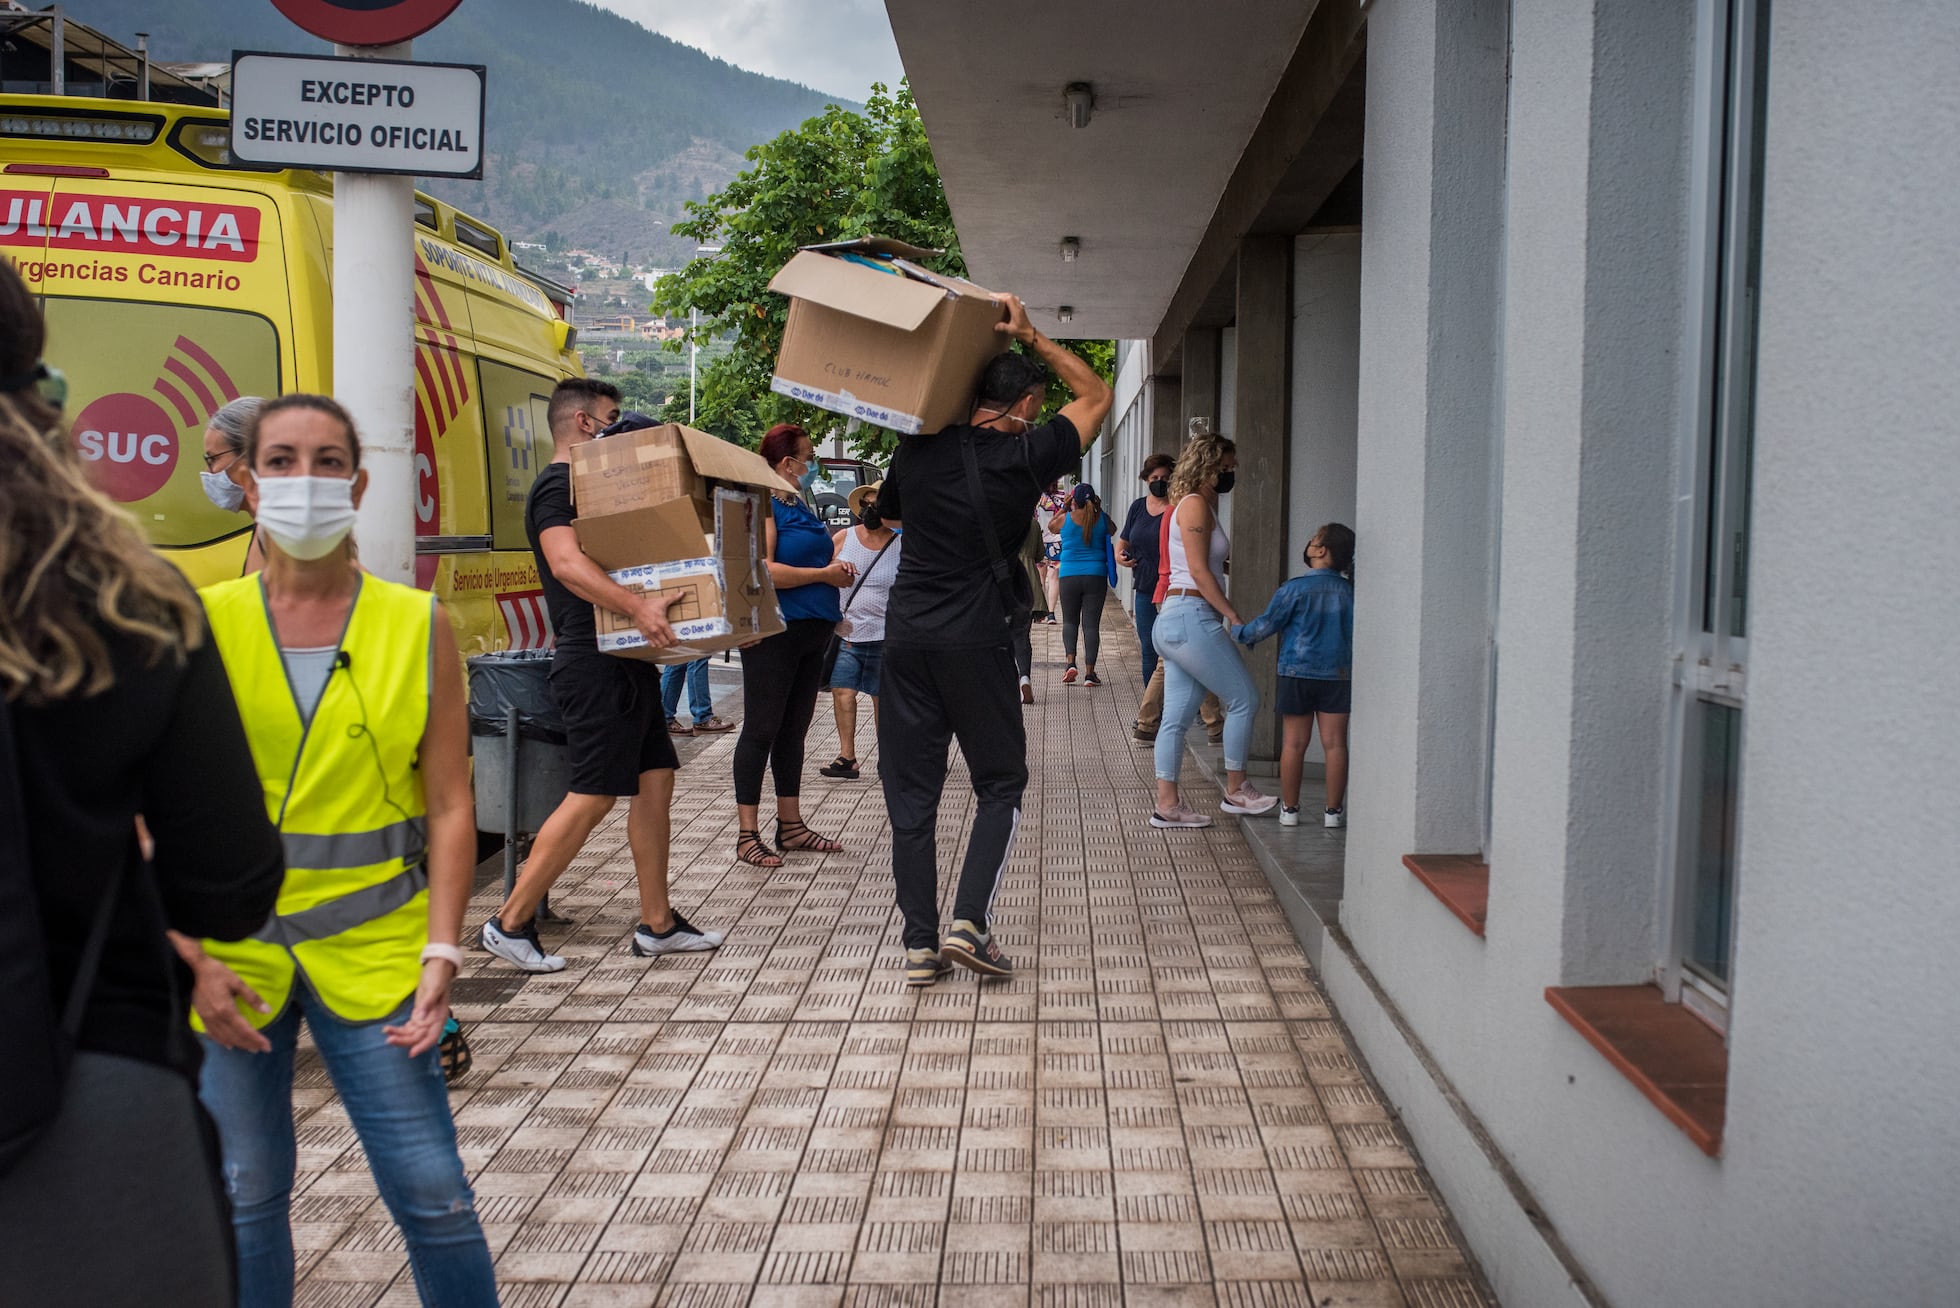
873,335
670,508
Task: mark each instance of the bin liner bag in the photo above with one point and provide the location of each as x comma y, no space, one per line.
514,677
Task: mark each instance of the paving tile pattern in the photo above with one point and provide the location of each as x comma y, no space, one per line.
1158,1110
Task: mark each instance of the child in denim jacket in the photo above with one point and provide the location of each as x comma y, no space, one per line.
1314,615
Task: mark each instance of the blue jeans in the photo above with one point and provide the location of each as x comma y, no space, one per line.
1200,655
1146,616
399,1108
699,701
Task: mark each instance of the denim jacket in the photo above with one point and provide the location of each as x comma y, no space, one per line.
1314,614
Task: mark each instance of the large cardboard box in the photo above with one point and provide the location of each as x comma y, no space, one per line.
670,508
873,335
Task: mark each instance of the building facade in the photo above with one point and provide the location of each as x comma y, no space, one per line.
1624,335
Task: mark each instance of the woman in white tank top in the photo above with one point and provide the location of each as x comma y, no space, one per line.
869,546
1193,635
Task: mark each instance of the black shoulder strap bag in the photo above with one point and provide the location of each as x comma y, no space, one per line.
1014,611
94,1142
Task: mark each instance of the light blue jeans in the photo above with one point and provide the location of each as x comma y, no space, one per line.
699,702
1200,655
399,1108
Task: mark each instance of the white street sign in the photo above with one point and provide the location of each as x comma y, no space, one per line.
357,115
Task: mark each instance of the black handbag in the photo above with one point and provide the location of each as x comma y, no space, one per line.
96,1142
836,643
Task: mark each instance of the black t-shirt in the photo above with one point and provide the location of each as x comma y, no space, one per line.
163,741
550,505
944,596
1140,532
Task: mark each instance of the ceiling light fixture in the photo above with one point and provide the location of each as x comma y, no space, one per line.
1066,313
1070,248
1078,98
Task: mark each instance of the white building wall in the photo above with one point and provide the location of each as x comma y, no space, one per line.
1836,1182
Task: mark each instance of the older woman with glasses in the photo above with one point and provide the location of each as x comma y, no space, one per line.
224,466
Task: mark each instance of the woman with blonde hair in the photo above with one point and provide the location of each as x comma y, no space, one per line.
351,689
1193,634
113,705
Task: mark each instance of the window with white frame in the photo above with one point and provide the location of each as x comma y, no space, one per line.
1712,662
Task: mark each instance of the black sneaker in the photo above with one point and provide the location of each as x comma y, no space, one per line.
966,945
1090,678
681,938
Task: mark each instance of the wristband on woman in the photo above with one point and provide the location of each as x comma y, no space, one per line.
449,954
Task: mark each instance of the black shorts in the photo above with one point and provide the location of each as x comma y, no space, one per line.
615,723
1301,696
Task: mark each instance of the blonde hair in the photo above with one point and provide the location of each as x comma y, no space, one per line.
1201,460
73,566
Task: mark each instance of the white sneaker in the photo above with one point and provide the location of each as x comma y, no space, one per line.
520,948
681,938
1289,816
1181,817
1246,801
1336,817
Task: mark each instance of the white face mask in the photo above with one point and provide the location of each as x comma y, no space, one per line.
307,517
222,491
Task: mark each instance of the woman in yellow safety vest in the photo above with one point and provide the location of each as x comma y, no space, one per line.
351,691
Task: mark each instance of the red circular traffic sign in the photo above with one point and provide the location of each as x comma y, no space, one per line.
366,22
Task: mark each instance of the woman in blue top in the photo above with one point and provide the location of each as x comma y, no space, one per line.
1084,576
780,674
1314,615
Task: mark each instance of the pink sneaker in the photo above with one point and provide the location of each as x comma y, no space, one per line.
1246,801
1181,817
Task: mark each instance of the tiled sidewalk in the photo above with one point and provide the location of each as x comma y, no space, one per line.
1158,1110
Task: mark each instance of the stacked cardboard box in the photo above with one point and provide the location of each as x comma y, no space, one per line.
874,335
671,508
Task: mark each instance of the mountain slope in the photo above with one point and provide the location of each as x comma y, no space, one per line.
589,114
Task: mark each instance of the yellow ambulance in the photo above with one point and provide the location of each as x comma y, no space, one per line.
174,280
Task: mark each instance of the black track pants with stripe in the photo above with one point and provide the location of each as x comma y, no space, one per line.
928,698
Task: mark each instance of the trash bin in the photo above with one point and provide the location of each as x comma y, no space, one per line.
518,740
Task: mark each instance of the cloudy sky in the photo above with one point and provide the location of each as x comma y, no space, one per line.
837,46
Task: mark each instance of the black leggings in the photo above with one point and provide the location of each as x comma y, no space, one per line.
779,697
1082,605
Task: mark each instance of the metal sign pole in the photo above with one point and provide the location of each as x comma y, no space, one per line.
374,347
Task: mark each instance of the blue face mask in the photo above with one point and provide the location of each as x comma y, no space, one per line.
222,491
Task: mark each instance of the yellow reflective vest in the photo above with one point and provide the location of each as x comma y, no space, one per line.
345,790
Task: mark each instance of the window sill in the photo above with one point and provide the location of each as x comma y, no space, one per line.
1667,1052
1461,881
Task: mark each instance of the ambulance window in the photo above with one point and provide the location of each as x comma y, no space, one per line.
425,213
480,239
518,442
139,409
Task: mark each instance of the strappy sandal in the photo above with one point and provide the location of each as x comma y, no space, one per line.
750,849
794,835
841,769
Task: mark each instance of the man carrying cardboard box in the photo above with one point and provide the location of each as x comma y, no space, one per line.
615,722
965,496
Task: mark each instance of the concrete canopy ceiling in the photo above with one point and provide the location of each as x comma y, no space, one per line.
1179,89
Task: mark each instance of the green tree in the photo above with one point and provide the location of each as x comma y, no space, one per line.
838,176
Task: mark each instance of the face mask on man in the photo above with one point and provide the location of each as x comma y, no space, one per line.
1159,486
1226,480
222,491
307,517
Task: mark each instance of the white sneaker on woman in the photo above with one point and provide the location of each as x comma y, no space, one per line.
1246,801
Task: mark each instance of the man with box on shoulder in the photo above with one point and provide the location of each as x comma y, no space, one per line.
949,669
615,722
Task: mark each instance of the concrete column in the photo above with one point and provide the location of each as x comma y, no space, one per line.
1431,255
1262,404
1166,414
1198,396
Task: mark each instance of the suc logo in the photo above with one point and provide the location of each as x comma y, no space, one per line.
130,444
